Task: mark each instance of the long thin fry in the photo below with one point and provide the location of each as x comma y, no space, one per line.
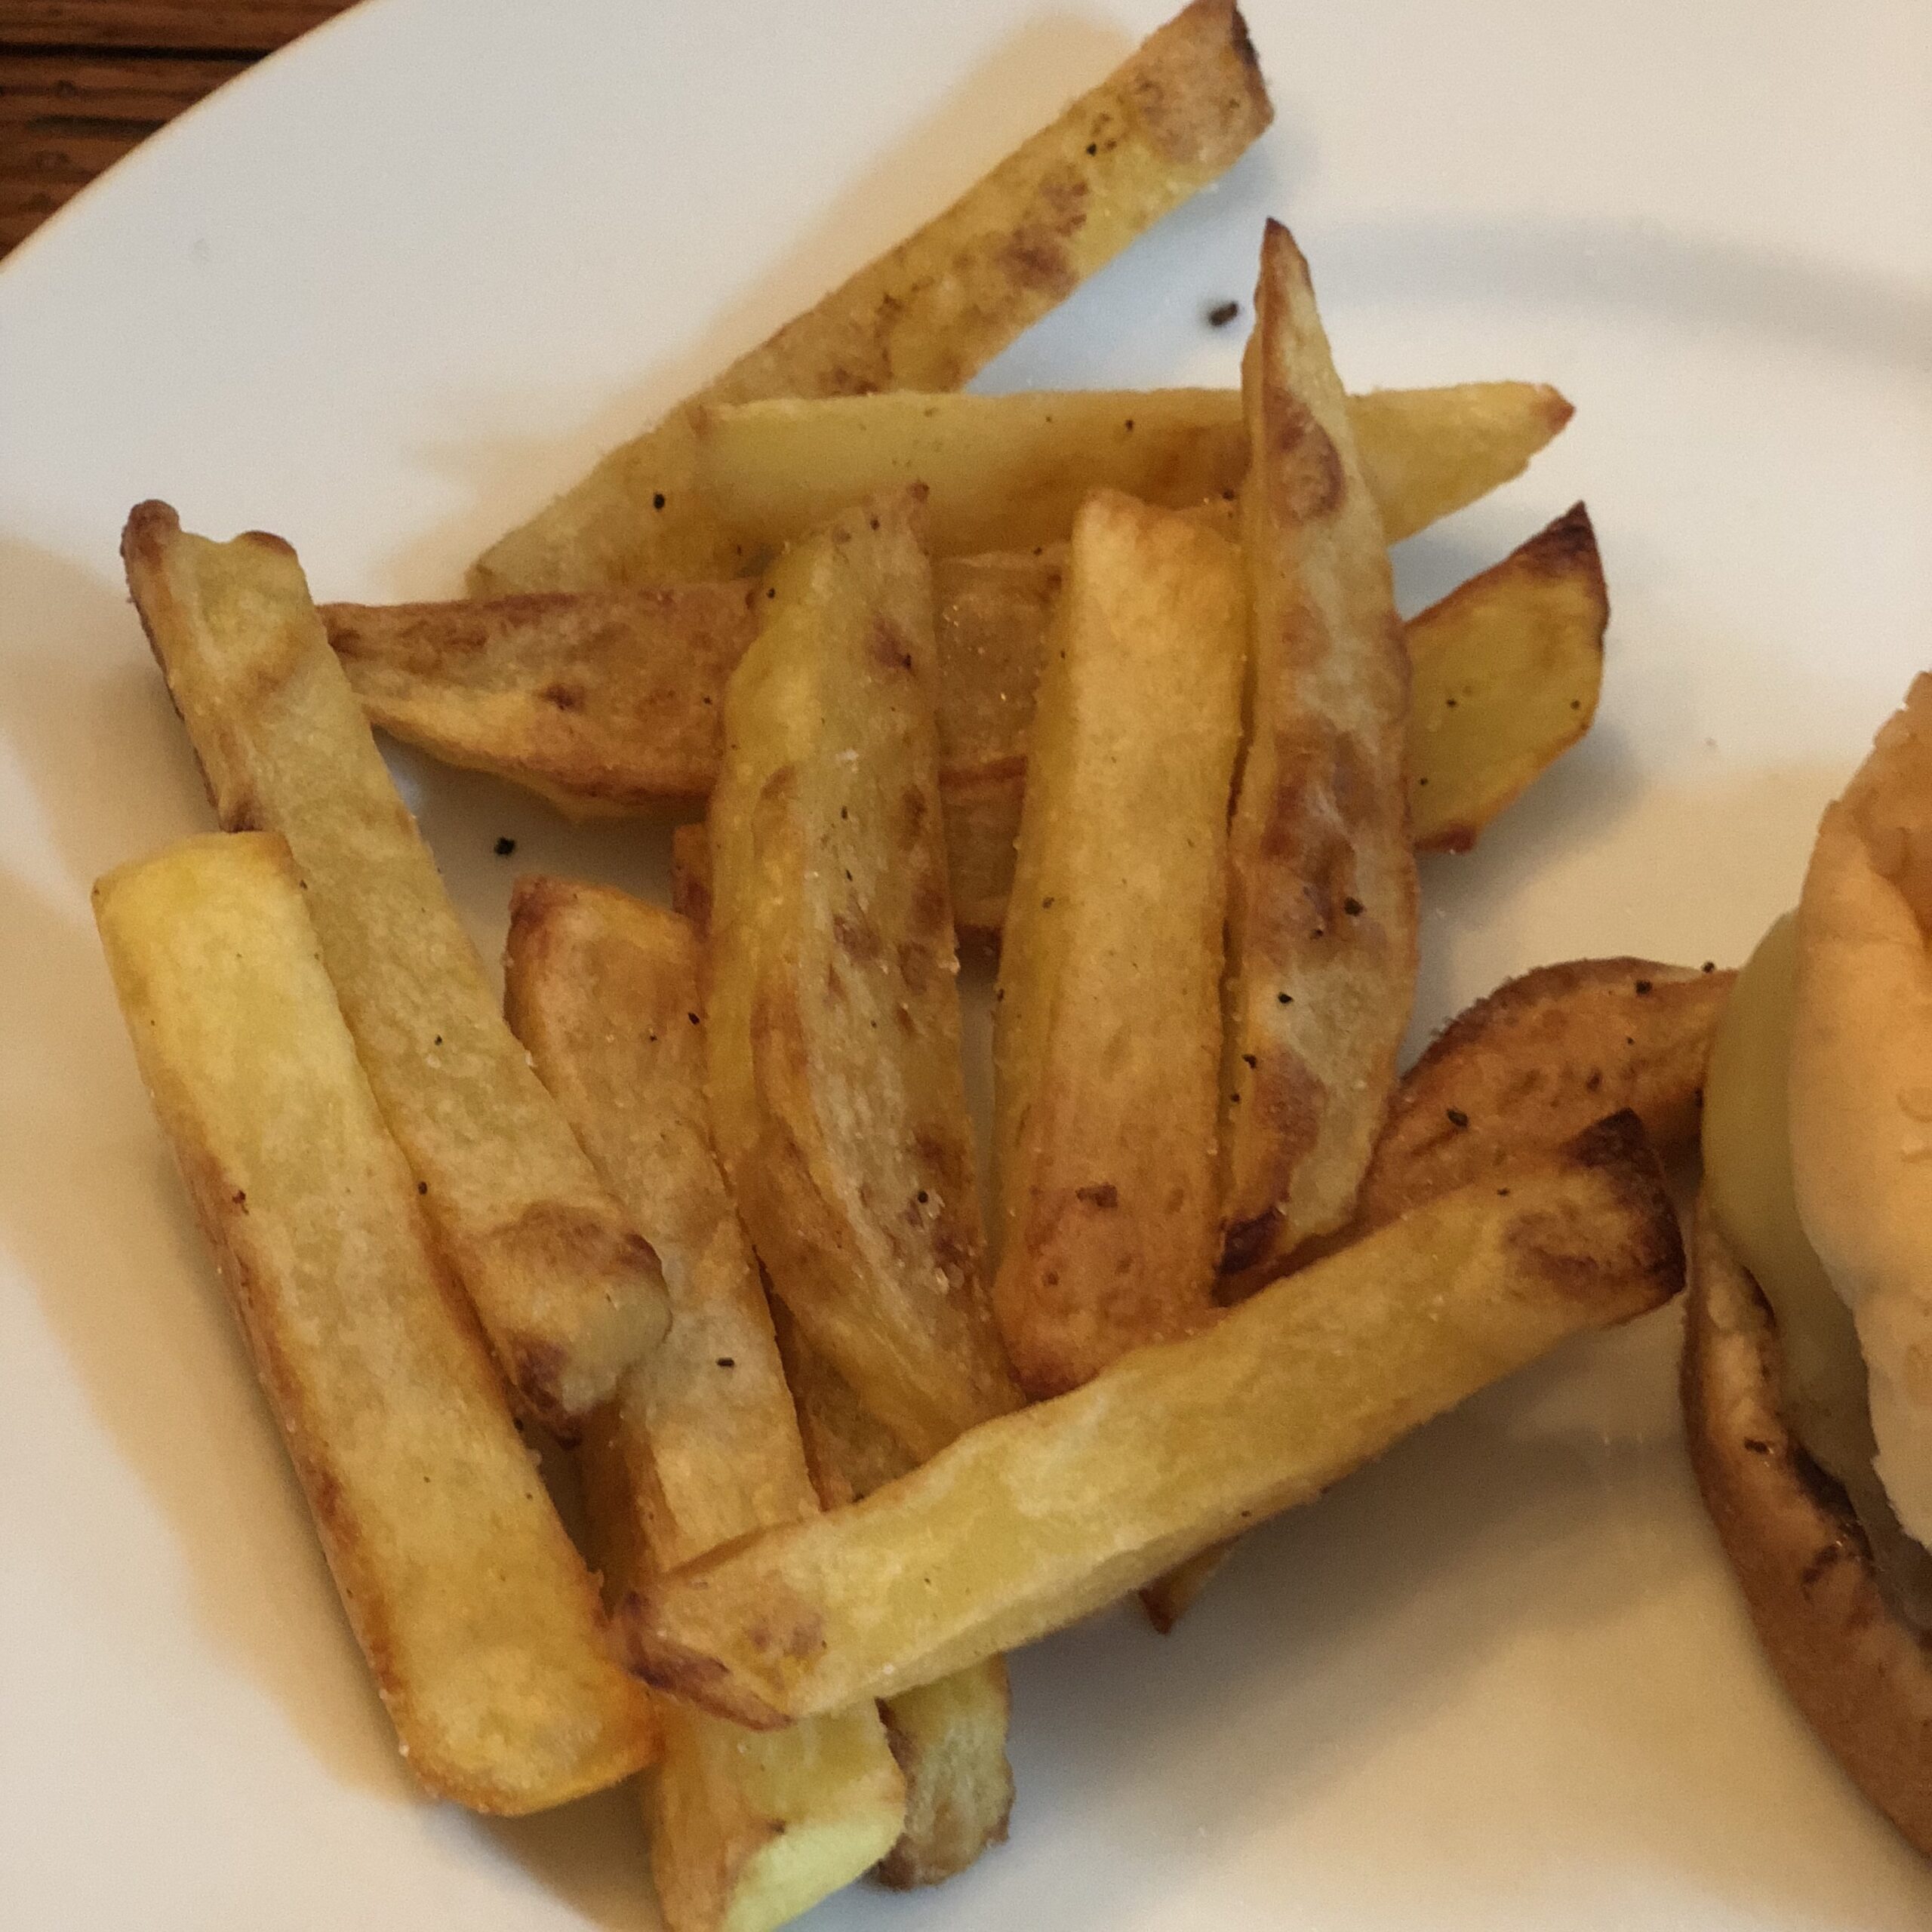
568,1292
1029,1522
927,315
1321,905
701,1444
1007,472
837,1092
479,1622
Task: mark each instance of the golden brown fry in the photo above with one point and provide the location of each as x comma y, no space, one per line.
1525,1068
477,1618
601,701
567,1291
950,1737
702,1444
1504,674
1031,1521
1107,1037
1321,898
837,1092
927,315
1007,472
1512,1077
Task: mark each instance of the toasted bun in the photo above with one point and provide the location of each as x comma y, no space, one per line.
1861,1084
1859,1674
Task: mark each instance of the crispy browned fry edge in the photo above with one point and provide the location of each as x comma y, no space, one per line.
950,1737
568,1292
1528,1065
1322,898
1107,1030
1031,1520
928,314
1505,672
838,1095
1511,1078
479,1624
701,1444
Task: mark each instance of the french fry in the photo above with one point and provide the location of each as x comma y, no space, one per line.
1033,1520
701,1444
1007,472
1523,1068
1512,1077
1503,678
1322,899
479,1622
931,312
1107,1034
837,1096
568,1292
1520,648
949,1736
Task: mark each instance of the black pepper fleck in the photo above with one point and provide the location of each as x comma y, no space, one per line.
657,501
1457,1117
505,847
1222,314
1643,987
1352,907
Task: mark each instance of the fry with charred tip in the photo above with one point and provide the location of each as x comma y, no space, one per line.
1032,1520
1107,1034
1175,116
838,1095
568,1292
1321,898
480,1623
702,1444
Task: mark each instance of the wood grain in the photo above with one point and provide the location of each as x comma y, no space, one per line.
82,82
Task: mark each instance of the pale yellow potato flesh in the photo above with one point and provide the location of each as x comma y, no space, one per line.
1321,896
837,1090
1032,1520
1008,472
479,1622
948,1737
701,1444
568,1292
1107,1032
931,311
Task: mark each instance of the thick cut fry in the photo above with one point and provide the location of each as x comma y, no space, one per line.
1033,1520
930,313
1517,646
569,1293
702,1444
1528,1065
1504,674
1007,472
1107,1037
478,1619
602,702
838,1095
1509,1080
1321,896
950,1737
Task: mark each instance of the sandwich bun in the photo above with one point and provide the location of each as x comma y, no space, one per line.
1860,1675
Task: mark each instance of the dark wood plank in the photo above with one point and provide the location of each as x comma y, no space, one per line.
239,26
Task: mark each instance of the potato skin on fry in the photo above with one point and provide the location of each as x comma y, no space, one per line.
1526,1067
1107,1034
1321,896
701,1444
480,1625
838,1093
1032,1520
931,312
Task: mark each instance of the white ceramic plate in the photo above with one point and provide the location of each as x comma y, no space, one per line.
395,287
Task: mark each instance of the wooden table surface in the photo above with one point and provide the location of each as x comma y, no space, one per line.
82,81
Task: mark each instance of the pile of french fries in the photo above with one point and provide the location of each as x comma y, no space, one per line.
1117,679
